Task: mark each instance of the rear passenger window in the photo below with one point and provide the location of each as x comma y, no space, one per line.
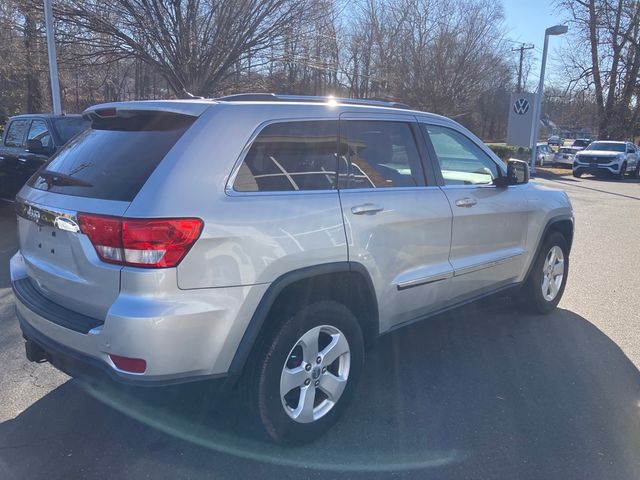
291,156
378,154
15,134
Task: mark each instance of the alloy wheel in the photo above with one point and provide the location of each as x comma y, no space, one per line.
315,374
552,273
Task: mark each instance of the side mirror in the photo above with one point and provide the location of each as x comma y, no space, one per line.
35,146
517,174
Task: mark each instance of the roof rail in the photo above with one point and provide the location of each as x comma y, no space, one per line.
272,97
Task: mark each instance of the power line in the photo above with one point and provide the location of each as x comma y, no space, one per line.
521,49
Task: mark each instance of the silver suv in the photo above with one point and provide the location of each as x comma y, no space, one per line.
270,239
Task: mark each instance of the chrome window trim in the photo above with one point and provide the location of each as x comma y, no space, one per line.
390,117
390,189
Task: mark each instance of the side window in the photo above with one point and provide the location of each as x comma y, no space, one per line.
291,156
39,131
461,161
15,134
378,154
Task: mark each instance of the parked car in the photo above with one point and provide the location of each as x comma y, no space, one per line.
556,140
271,239
565,155
581,143
616,158
28,142
544,153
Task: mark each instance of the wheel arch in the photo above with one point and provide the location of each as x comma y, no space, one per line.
562,224
346,282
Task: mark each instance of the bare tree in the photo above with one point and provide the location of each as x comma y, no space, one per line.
193,44
605,58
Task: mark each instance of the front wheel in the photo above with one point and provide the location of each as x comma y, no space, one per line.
636,172
577,173
623,170
548,276
305,373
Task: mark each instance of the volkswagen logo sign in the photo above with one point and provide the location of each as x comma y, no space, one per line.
521,106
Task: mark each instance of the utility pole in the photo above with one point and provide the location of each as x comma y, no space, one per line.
522,48
53,62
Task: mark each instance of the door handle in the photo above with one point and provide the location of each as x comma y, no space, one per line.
22,159
466,202
366,208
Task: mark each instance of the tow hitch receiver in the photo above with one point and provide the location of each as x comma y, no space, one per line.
34,352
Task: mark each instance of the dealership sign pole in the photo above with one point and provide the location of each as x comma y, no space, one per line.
520,121
53,62
555,30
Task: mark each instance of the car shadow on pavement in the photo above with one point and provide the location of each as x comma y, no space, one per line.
482,392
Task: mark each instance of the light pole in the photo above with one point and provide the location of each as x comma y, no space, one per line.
555,30
53,62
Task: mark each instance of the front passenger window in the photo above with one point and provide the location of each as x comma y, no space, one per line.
461,161
39,131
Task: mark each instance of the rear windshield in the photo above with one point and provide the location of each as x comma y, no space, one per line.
112,159
581,143
69,127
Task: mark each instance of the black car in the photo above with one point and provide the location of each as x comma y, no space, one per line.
28,142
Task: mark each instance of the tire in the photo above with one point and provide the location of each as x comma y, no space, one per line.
329,321
623,169
636,172
534,298
577,173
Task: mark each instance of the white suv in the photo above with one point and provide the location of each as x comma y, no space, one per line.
604,156
270,239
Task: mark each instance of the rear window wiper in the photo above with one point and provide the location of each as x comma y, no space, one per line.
62,180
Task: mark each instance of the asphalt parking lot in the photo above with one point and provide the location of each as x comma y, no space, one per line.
483,392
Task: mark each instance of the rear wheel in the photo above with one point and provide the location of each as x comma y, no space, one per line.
304,374
548,276
577,173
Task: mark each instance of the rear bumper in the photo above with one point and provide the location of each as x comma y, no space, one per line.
79,365
183,336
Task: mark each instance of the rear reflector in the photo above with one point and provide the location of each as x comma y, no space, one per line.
137,242
133,365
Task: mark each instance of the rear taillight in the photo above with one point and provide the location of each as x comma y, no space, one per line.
137,242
